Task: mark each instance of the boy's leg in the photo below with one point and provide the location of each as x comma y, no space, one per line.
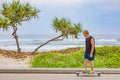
85,64
92,65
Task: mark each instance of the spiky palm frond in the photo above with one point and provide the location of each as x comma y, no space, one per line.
4,23
66,27
17,12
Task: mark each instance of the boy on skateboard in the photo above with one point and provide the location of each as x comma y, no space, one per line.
89,51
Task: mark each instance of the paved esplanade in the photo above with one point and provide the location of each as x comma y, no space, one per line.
56,77
56,74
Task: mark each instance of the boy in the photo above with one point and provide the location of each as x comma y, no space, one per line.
89,51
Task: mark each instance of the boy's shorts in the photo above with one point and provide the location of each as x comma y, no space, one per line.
87,56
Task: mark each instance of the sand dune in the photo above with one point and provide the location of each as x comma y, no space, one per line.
14,63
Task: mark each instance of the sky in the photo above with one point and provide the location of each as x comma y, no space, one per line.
100,17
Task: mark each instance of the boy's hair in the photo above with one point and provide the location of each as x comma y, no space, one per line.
85,32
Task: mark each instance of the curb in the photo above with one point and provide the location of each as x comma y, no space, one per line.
58,70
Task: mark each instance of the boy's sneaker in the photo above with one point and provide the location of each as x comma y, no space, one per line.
84,71
91,72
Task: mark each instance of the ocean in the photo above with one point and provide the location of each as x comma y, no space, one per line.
29,42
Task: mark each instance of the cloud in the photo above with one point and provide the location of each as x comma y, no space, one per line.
110,5
104,4
56,2
50,2
114,7
65,2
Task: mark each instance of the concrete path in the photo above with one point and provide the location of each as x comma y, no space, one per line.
57,70
56,77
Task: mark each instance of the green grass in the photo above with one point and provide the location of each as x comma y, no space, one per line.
106,57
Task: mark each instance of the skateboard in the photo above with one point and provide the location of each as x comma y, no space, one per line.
81,74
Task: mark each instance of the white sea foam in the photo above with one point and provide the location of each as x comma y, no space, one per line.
29,44
107,40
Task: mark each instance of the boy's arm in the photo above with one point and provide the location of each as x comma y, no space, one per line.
92,49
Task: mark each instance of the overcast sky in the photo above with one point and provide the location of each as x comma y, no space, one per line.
98,16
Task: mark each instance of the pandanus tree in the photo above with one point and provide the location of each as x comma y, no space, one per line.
13,14
66,28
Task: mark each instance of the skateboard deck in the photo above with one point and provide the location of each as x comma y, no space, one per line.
81,74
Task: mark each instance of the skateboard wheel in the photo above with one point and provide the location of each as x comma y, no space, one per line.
77,74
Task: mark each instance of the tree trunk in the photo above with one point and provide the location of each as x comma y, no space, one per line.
16,38
46,43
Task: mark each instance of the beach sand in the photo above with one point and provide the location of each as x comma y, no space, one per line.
13,59
14,63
